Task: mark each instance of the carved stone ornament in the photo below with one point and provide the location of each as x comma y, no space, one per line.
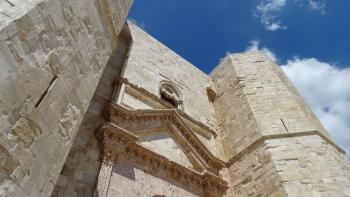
120,144
168,90
170,94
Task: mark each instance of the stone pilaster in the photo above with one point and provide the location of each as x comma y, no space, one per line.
103,178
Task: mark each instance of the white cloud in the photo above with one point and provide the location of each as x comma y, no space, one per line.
325,87
270,11
317,6
254,46
274,26
327,90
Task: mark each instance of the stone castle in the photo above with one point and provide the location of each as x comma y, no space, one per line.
92,105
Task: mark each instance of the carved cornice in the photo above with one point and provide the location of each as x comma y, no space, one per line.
126,118
119,144
167,105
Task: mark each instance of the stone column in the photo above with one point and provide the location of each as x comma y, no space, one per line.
104,178
275,145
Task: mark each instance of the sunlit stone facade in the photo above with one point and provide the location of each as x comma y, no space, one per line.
92,105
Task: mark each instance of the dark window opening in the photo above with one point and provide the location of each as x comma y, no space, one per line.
53,80
211,94
169,100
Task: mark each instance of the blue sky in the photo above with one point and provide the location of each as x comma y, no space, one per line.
202,31
308,38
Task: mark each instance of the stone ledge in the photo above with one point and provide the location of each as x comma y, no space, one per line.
264,138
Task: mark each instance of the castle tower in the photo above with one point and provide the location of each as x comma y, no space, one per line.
274,144
150,129
91,105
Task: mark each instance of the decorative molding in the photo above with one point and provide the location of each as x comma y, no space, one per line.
170,91
198,123
119,144
140,119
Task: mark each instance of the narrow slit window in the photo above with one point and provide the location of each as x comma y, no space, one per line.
53,80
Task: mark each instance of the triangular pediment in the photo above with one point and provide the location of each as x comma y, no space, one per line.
163,128
162,143
148,152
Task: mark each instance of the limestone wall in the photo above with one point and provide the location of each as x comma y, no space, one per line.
236,122
80,171
264,102
255,175
144,184
309,166
274,144
150,62
170,149
296,166
52,56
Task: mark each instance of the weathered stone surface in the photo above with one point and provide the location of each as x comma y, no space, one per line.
170,149
155,125
150,62
263,102
318,170
273,142
52,56
255,175
143,183
79,174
